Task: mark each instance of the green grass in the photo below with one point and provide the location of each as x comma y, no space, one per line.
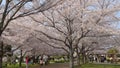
83,66
17,66
99,66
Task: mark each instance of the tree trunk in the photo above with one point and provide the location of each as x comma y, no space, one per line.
34,59
20,61
37,59
86,59
114,58
1,53
71,63
82,58
0,62
78,57
83,54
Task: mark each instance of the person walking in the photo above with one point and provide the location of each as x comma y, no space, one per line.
27,61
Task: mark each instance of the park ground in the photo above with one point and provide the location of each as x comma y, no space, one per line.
66,65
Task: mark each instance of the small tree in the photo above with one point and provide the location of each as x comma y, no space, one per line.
113,52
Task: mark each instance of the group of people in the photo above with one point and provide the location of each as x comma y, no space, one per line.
97,59
101,59
43,59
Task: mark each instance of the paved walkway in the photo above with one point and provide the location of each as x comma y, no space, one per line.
56,65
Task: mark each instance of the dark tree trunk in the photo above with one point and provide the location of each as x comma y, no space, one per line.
20,62
78,57
83,54
1,53
21,58
34,59
86,59
71,59
0,62
37,59
82,58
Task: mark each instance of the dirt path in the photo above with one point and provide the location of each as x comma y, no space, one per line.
57,65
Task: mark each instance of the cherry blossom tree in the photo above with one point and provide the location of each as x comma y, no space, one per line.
65,25
13,9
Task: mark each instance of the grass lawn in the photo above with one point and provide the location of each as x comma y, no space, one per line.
99,66
63,65
23,66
